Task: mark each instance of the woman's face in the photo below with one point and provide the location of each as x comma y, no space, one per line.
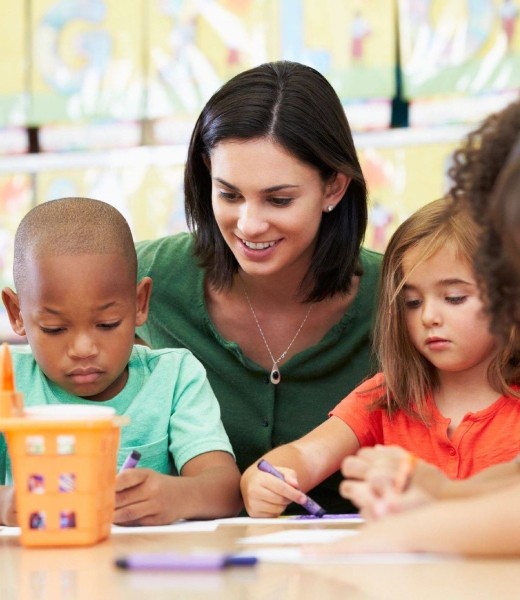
268,205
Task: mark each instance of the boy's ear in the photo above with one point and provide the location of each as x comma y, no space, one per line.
144,291
12,305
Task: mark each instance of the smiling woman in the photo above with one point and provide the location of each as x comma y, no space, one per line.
271,291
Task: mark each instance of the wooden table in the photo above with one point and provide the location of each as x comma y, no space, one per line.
89,573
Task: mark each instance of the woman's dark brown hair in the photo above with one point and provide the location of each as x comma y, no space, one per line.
296,107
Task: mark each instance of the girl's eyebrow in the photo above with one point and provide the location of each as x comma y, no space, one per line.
442,283
274,188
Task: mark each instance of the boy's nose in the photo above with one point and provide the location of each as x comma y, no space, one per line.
83,346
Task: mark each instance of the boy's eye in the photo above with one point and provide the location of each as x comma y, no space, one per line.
52,330
109,325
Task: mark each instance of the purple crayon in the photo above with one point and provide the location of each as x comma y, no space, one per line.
131,460
172,561
309,505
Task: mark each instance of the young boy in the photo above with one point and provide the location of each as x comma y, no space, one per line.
76,300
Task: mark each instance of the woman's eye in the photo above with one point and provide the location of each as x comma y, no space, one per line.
281,201
228,196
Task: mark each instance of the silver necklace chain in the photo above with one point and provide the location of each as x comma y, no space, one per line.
275,376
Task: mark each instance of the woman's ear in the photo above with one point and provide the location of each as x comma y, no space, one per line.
142,304
12,305
335,190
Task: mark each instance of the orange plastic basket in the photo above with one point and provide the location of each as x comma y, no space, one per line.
64,472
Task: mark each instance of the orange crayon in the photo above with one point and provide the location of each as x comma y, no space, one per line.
10,400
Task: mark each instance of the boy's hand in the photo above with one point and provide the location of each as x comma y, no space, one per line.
267,496
8,515
144,497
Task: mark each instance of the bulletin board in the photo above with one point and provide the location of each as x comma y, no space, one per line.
13,65
86,60
464,47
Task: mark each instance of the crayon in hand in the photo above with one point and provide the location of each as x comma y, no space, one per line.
309,505
131,460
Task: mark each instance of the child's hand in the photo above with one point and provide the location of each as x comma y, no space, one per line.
381,490
145,497
8,515
267,496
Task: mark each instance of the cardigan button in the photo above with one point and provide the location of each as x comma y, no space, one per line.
265,422
266,379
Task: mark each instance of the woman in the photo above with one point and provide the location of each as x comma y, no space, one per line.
271,291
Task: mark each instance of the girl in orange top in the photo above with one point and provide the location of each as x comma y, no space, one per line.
447,392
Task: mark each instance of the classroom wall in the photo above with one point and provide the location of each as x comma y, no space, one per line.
107,93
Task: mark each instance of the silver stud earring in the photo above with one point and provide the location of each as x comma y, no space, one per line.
330,207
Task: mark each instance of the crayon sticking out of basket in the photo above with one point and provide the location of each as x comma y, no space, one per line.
63,460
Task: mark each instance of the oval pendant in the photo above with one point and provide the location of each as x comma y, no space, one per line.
275,375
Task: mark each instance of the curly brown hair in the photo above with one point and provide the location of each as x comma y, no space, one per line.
477,174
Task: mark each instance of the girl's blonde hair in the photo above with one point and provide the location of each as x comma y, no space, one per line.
409,378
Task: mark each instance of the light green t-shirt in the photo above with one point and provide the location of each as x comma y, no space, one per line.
174,415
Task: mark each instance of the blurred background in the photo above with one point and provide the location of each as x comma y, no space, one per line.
98,97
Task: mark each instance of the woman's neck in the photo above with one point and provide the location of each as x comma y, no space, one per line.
271,290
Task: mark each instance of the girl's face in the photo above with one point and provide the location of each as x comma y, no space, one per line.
268,204
444,312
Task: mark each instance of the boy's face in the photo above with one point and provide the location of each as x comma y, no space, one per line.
79,314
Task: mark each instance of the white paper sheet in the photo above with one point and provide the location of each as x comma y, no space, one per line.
178,526
293,520
296,556
298,536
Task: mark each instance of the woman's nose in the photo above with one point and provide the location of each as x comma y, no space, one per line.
252,221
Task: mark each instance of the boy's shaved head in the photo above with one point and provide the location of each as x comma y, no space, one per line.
71,226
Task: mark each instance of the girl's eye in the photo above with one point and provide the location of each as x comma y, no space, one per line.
412,303
51,330
456,299
109,325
